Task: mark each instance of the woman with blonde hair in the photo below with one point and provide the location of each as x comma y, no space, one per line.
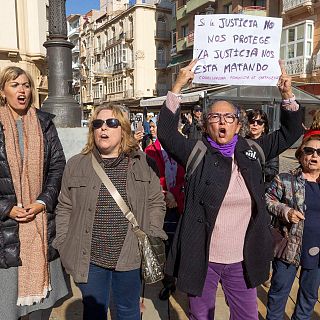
32,163
96,242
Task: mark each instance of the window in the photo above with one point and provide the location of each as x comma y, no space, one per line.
160,55
297,41
227,8
260,3
173,38
184,31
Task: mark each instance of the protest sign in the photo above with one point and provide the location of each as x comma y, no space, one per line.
237,49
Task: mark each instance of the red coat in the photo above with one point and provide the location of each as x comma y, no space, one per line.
154,151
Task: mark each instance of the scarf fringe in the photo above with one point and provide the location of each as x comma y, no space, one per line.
30,300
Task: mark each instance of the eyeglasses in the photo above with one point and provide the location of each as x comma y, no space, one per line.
258,121
197,110
111,123
310,151
216,117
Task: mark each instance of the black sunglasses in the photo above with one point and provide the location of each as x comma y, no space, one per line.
310,151
258,121
111,123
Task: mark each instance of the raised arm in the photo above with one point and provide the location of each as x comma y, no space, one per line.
290,120
171,139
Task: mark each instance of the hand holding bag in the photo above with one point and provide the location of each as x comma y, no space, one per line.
152,249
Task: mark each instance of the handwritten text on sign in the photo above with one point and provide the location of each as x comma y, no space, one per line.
237,49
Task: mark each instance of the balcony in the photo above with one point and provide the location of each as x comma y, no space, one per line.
97,51
162,35
297,6
190,38
76,65
160,64
129,65
97,101
128,94
299,66
195,4
73,32
254,11
75,49
181,12
128,36
181,44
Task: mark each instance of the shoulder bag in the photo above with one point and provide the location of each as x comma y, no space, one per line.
152,249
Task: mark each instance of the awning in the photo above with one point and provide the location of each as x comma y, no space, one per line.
180,59
186,98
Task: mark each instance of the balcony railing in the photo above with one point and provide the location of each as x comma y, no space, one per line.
97,101
181,12
128,93
75,65
254,11
129,64
76,49
160,64
97,50
162,34
181,44
128,35
293,4
73,31
195,4
299,66
190,38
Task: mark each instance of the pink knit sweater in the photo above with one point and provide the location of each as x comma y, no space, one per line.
230,228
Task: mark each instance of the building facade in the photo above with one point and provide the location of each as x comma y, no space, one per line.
24,26
300,43
73,26
124,53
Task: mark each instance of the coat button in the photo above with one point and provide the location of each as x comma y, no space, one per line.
94,187
216,163
208,182
89,209
84,252
87,230
201,202
200,220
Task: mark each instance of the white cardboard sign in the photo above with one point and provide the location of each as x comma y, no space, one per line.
237,49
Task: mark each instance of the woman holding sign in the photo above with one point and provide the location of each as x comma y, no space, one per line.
223,235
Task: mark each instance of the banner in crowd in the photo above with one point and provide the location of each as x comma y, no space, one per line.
237,49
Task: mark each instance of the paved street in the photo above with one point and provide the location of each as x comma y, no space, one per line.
176,308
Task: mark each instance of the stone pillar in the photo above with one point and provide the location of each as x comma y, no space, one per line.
60,101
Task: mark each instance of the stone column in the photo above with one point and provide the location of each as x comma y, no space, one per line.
60,101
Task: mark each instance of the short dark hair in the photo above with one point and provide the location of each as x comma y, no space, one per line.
254,114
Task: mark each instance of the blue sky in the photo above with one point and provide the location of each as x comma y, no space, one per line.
81,6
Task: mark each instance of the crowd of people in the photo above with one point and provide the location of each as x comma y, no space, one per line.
60,219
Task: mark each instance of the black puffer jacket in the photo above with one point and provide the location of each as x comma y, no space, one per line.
54,162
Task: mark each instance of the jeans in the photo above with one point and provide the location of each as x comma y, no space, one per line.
242,301
125,287
282,279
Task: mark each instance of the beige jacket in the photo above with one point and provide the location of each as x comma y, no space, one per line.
76,211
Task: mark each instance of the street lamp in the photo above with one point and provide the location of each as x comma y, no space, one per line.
60,101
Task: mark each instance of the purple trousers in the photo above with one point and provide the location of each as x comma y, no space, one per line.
241,300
